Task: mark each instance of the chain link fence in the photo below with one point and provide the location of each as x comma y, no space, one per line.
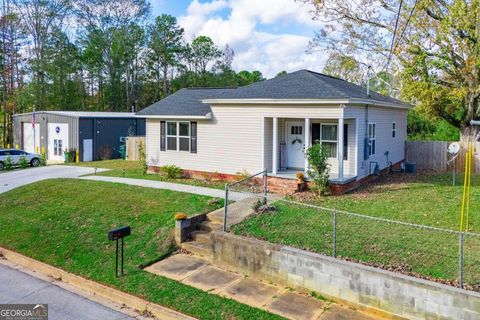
442,255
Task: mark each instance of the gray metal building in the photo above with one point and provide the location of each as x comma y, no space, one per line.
93,134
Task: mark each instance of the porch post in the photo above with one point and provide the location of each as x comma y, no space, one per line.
308,141
275,146
340,148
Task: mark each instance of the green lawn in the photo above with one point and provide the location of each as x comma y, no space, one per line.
134,170
423,199
65,222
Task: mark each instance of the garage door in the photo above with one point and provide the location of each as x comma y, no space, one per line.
28,137
57,140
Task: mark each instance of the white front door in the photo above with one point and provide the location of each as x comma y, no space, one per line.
87,150
295,143
57,140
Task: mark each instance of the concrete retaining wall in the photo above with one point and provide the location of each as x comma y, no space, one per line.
394,293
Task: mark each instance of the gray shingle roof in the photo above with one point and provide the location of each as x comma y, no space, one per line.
184,102
305,84
302,84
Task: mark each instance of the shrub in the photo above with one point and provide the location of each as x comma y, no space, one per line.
319,169
23,162
142,158
106,152
43,158
172,171
8,163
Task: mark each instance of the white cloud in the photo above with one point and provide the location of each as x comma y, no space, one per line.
266,51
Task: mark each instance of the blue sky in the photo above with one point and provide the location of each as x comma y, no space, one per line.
267,35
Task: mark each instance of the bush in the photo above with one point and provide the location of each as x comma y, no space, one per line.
106,152
23,162
142,158
8,163
319,169
172,171
43,159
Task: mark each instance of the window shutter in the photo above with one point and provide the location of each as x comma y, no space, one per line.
193,137
162,135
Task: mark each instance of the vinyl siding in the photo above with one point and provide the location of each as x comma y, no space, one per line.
383,119
239,138
232,141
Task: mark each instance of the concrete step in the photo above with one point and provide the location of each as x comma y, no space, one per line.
210,226
201,236
198,248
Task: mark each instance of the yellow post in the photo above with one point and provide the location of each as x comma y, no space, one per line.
464,192
8,145
43,150
77,157
16,146
469,186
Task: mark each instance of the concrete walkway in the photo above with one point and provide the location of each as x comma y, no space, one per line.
204,191
19,177
200,273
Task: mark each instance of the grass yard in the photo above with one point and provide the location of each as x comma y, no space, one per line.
422,199
134,170
65,222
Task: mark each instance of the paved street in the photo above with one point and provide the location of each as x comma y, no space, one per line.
19,287
19,177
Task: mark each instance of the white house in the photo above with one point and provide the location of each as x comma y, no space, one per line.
269,124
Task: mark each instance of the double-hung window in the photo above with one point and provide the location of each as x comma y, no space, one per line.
172,136
394,129
329,139
178,136
371,138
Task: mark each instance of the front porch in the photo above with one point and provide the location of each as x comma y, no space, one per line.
286,139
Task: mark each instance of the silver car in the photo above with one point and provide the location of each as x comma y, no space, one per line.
15,155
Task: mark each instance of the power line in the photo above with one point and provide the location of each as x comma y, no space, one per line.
393,38
407,22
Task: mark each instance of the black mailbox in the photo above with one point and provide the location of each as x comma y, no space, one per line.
118,233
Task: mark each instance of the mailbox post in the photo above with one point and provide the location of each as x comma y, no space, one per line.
115,235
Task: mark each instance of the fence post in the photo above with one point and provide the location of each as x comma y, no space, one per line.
225,206
265,187
334,254
460,262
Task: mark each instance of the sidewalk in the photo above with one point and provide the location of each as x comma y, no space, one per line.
216,193
200,273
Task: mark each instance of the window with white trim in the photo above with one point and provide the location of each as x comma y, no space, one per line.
184,136
394,129
178,136
371,138
172,136
329,139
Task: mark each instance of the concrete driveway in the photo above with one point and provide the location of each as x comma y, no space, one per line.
13,179
19,287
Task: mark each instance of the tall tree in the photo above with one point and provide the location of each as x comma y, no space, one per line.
344,67
13,39
434,44
165,47
200,53
40,17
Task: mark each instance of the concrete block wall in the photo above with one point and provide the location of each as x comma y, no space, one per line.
394,293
